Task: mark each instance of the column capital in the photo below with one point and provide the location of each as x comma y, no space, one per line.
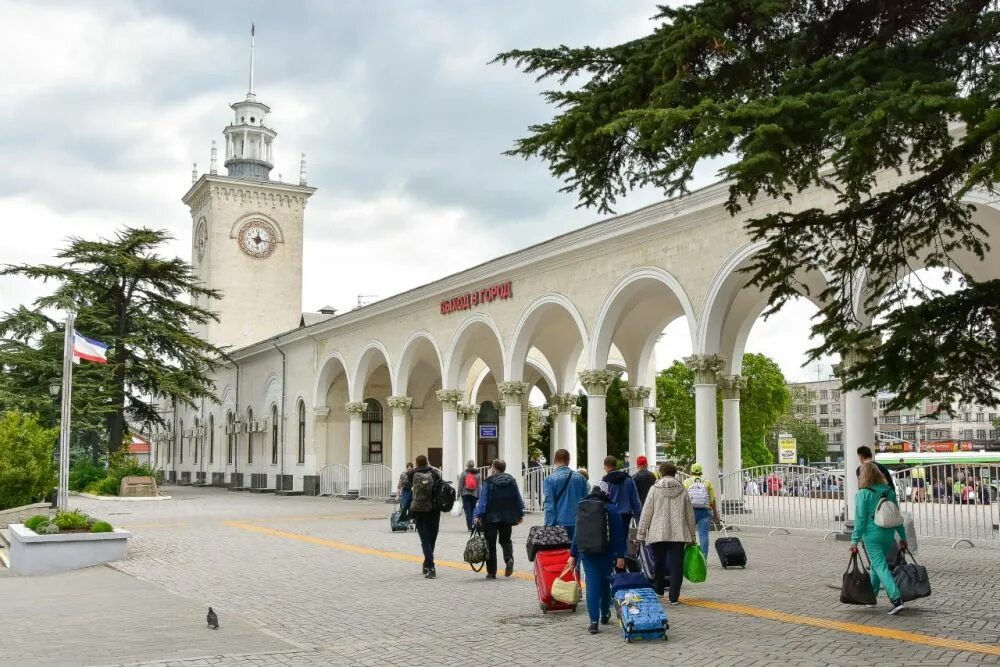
731,385
400,404
596,382
321,413
574,412
561,402
468,411
449,398
705,366
636,396
355,408
511,393
652,414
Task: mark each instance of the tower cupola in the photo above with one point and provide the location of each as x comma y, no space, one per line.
249,141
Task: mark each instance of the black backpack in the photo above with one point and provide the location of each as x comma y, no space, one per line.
592,526
444,496
423,492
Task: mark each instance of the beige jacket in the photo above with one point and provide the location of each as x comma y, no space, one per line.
667,515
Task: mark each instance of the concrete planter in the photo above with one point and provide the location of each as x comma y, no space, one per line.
31,553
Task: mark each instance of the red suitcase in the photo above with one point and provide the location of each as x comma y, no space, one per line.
548,566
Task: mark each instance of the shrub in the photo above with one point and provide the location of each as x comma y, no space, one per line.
121,464
47,528
101,527
84,473
105,487
34,522
75,520
26,470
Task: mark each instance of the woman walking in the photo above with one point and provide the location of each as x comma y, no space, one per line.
872,488
668,524
599,542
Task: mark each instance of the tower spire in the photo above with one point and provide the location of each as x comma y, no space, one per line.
250,93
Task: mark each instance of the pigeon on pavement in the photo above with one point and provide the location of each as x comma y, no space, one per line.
213,620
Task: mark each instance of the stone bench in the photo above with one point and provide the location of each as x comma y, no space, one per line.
137,487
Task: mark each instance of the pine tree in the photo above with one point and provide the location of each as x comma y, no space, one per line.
126,295
800,95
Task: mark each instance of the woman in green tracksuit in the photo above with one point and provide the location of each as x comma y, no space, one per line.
872,486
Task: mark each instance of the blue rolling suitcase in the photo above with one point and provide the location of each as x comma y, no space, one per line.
643,617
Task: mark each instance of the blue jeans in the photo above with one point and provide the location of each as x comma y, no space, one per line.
703,518
404,503
469,505
597,570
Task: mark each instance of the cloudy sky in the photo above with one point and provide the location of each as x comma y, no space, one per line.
105,105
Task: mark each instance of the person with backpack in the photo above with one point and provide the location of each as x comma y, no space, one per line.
404,491
424,481
563,491
877,520
667,524
468,489
622,490
702,496
499,509
643,478
599,543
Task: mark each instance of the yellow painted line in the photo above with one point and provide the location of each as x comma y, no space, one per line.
745,610
842,626
333,517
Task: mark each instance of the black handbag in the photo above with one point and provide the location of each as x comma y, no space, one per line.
911,578
476,550
546,538
857,583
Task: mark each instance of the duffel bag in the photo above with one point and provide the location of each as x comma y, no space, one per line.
546,538
476,550
911,578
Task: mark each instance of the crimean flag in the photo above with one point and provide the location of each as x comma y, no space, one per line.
89,349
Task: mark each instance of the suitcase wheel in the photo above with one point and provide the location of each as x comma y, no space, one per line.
628,640
544,609
665,638
573,609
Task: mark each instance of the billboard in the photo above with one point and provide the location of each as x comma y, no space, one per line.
787,449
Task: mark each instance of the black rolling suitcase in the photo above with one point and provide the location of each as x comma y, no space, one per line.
397,525
730,550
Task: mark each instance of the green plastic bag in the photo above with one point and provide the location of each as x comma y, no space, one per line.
695,566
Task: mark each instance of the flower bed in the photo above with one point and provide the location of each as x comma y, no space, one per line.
67,541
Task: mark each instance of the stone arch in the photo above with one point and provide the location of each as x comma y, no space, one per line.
552,324
466,348
332,367
235,228
634,314
272,389
419,350
372,356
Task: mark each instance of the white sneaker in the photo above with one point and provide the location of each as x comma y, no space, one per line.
897,606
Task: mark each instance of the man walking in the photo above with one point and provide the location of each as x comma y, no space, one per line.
404,492
468,489
864,456
622,490
702,496
423,481
564,489
499,509
644,479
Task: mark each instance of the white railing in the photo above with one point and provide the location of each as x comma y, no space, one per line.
377,482
533,487
952,500
784,497
333,480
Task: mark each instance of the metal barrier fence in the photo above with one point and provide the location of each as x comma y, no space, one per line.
333,480
952,500
533,489
377,482
784,497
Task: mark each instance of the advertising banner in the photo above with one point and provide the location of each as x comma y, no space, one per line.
787,449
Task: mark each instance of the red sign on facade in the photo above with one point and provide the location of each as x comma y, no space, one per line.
469,300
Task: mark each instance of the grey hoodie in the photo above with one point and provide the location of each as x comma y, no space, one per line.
667,515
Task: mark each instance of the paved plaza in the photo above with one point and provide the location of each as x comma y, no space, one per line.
318,581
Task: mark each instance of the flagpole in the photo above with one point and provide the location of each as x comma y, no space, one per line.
62,497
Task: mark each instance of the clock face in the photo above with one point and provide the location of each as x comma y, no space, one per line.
257,239
201,239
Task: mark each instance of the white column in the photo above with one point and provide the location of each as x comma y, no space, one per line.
400,411
354,411
859,430
732,445
562,404
449,432
596,384
636,421
651,414
470,439
525,408
318,455
574,413
706,368
512,393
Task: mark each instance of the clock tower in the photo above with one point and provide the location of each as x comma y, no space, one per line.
247,232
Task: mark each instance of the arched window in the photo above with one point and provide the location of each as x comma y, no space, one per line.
211,438
302,433
230,437
180,439
274,435
371,431
196,439
249,435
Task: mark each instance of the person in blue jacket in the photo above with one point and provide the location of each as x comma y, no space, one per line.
563,491
598,567
623,491
499,509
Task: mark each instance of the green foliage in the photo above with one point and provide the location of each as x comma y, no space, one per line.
763,401
121,464
109,486
756,453
26,470
802,96
75,520
142,304
34,522
810,441
675,399
47,528
617,407
83,473
101,527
